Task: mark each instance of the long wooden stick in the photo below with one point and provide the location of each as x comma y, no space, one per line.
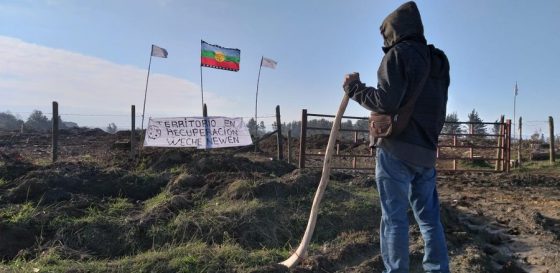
302,249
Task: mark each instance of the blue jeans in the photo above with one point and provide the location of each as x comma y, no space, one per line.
399,184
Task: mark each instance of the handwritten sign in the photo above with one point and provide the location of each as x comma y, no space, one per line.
199,132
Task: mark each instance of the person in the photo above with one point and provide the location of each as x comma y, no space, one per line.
405,163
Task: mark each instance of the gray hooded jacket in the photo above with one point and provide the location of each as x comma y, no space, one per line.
407,60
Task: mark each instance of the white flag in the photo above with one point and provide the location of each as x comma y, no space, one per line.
270,63
159,52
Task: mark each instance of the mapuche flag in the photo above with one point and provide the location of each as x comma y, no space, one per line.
219,57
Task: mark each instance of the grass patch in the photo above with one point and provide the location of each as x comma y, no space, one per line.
194,257
157,200
119,206
22,213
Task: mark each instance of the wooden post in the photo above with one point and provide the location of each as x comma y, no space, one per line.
337,148
354,163
55,119
132,130
302,138
499,151
519,143
279,134
471,131
551,135
289,146
454,145
508,145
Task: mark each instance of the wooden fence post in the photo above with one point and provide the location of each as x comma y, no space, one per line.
354,160
499,151
508,145
520,142
454,145
289,146
471,150
279,134
302,138
132,130
55,119
551,131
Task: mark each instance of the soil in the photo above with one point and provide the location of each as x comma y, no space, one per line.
106,206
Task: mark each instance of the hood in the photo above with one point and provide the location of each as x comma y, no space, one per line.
402,24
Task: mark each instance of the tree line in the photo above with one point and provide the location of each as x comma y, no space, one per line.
39,122
36,121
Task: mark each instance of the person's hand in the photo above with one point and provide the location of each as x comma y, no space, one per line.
350,78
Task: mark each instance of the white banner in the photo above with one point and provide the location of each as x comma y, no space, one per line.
199,132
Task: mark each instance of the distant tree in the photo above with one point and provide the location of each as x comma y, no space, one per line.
38,121
319,123
362,124
111,128
252,125
294,126
450,127
9,121
536,137
496,127
477,128
347,125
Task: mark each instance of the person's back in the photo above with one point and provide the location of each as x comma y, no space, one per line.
405,163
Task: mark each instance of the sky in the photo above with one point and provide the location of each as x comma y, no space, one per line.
92,56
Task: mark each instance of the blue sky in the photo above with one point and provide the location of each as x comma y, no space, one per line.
92,56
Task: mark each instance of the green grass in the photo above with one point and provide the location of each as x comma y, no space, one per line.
195,257
157,200
232,230
539,167
21,213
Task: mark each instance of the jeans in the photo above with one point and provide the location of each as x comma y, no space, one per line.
401,184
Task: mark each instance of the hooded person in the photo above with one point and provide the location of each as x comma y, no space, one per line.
413,79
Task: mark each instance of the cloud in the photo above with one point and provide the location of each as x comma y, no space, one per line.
32,76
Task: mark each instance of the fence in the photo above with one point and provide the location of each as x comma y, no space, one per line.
457,151
450,149
81,143
365,154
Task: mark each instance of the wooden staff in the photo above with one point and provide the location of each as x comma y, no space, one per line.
302,249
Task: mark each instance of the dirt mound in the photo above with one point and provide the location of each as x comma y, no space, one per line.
295,184
15,238
57,183
13,165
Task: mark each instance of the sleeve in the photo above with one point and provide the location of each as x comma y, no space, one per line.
391,87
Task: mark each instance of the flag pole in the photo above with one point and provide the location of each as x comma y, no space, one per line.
146,90
256,103
514,102
201,88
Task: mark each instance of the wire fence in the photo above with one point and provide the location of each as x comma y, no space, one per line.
82,136
93,127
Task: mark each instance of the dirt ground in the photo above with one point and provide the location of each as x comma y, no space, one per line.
96,210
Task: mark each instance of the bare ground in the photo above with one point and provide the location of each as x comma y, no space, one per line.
115,208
